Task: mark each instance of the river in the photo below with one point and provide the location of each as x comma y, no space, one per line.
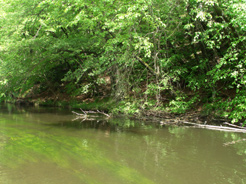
47,146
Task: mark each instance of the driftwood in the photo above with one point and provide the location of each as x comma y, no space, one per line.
220,128
229,124
86,115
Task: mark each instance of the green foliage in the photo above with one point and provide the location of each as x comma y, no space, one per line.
126,107
160,48
234,109
181,104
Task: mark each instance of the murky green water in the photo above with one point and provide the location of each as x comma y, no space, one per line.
44,146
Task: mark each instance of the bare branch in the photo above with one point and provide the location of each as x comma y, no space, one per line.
146,65
213,127
83,111
37,32
103,113
86,116
76,113
229,124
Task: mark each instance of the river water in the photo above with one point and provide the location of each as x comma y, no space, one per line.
47,146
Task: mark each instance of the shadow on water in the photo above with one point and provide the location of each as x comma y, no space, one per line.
99,122
45,146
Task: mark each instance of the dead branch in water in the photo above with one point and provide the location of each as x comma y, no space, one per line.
78,114
85,114
213,127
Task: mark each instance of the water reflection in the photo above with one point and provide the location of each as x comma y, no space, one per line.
43,146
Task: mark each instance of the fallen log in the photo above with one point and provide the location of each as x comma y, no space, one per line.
229,124
214,127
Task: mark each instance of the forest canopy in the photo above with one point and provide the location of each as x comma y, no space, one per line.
174,54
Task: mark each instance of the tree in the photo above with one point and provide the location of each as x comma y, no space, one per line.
166,49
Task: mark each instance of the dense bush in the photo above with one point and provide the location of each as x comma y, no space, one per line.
153,50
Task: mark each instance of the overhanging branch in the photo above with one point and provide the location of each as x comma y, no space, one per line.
146,65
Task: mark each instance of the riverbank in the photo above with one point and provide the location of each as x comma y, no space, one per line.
196,117
131,108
